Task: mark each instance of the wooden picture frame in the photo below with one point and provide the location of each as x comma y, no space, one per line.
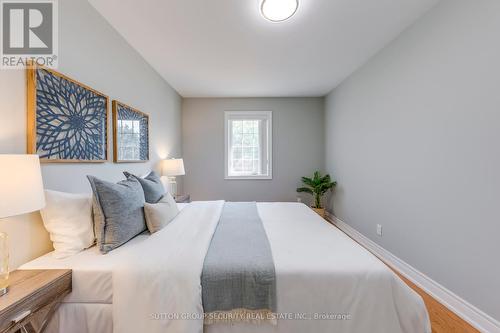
67,120
139,153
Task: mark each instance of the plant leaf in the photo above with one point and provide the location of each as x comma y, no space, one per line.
305,189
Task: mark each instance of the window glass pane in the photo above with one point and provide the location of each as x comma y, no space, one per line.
237,167
237,139
248,166
248,126
237,154
237,126
248,153
256,166
255,154
237,129
255,140
248,140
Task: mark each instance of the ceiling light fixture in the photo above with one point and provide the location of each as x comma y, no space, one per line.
278,10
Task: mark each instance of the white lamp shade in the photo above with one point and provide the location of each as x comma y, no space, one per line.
21,186
173,167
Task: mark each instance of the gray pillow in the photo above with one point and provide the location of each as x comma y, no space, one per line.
118,212
151,184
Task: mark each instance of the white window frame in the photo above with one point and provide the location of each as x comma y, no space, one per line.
250,115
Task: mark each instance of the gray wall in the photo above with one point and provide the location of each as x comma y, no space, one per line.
92,52
298,147
413,139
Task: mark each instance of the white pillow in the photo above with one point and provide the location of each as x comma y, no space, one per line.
160,214
68,219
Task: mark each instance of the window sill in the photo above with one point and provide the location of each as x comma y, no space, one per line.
248,177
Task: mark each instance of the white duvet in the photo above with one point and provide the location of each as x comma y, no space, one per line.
325,281
320,272
162,278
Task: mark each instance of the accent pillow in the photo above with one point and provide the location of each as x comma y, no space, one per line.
118,212
68,219
151,185
160,214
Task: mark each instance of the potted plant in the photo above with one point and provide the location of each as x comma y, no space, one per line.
317,186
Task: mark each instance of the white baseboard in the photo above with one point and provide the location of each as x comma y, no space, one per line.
468,312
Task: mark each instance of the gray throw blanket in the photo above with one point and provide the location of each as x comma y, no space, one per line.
238,278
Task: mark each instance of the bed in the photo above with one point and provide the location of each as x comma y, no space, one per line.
325,281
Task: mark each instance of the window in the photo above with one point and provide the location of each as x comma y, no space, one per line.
248,146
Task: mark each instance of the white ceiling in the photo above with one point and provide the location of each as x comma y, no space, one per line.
224,48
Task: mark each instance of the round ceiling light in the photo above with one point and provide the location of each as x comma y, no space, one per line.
278,10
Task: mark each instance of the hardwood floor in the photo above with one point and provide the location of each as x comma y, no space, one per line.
443,320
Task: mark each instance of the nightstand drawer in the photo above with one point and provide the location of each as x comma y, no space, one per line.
32,292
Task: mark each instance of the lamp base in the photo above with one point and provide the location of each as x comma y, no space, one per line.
173,186
4,291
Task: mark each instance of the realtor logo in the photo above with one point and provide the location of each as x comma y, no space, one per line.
29,33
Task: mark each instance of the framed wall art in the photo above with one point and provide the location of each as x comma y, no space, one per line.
130,134
67,120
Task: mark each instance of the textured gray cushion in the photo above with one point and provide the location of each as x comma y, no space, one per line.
151,184
118,212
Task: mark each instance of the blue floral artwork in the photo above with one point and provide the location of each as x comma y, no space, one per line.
71,119
131,134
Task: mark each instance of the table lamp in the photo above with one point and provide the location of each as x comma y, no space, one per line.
171,168
21,191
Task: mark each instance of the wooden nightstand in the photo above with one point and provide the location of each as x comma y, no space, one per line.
183,198
32,299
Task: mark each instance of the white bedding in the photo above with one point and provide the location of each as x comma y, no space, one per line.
92,275
92,272
319,270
